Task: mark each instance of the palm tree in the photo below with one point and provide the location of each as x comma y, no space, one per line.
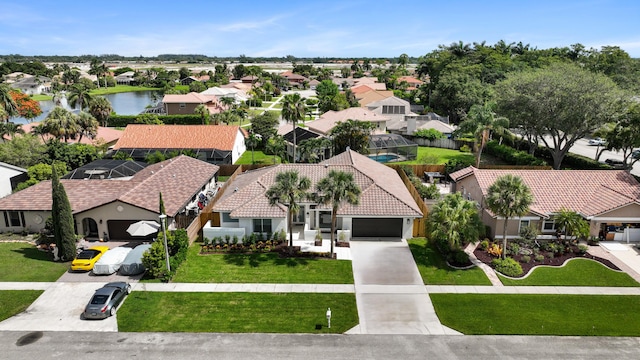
288,190
482,121
10,129
7,102
571,222
61,124
455,220
293,110
508,197
228,102
87,125
79,96
203,112
101,109
41,130
4,115
337,188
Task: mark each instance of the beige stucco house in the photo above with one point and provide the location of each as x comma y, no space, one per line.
105,208
608,199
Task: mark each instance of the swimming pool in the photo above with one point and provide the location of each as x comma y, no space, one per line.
384,158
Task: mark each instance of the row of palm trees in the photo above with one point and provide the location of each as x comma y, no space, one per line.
289,189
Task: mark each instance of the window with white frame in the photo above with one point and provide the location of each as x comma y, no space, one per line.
14,219
523,225
548,226
262,226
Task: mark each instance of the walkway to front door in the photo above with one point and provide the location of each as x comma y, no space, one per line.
390,294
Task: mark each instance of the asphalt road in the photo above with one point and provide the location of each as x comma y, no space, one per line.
582,147
159,346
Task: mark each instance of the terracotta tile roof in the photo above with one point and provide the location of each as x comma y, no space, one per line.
141,136
588,192
190,98
328,120
410,80
179,179
372,96
383,192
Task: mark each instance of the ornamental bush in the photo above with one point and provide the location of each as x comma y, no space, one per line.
508,267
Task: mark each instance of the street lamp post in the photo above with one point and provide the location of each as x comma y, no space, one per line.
163,217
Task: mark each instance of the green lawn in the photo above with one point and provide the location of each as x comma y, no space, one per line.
569,315
435,271
259,157
579,272
429,155
121,89
23,262
13,302
41,97
261,268
145,311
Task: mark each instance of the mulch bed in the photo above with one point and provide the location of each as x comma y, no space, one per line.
557,260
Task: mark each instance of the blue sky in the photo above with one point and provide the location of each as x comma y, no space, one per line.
328,28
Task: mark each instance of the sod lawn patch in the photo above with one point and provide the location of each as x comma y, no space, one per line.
261,268
13,302
435,271
431,155
21,261
568,315
259,157
146,311
577,272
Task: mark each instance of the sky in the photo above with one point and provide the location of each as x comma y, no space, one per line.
311,28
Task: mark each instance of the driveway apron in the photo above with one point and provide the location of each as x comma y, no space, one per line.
390,294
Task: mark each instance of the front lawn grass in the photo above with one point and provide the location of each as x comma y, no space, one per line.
578,272
145,311
435,271
22,261
511,314
259,157
261,268
431,155
13,302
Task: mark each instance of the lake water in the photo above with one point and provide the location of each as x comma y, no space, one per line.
129,103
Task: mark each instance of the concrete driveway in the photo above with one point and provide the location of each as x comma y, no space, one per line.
59,309
390,294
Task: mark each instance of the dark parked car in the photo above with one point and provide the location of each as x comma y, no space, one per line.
616,164
105,300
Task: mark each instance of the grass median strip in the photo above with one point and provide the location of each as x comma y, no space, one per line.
435,271
578,272
237,312
13,302
21,261
570,315
261,268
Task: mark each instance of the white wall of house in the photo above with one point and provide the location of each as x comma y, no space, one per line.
116,210
6,173
31,221
239,147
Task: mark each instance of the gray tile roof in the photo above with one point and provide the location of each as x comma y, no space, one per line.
178,179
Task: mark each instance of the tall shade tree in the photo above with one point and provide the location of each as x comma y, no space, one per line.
560,104
293,110
63,231
454,220
482,122
7,102
508,197
336,189
79,96
352,134
289,190
61,124
101,109
624,137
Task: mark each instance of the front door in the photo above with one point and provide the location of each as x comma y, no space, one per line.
90,228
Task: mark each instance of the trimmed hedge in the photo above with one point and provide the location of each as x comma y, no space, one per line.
511,155
124,120
507,266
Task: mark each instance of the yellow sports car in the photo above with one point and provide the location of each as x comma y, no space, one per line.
87,258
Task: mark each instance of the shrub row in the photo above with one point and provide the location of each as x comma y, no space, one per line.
511,155
124,120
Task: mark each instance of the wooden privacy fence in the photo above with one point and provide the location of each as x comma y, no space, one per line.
419,225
